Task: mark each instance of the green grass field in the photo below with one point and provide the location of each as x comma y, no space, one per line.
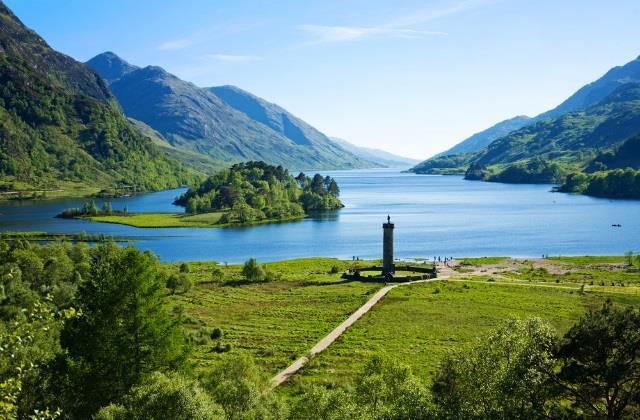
162,220
419,324
172,220
279,321
274,322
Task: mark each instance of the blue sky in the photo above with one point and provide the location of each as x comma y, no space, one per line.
411,77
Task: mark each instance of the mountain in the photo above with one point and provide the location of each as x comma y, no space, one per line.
573,137
110,66
378,156
595,92
196,120
586,97
61,128
482,139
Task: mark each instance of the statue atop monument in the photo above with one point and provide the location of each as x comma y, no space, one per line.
388,266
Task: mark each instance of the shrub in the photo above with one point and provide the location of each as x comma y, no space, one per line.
216,334
252,271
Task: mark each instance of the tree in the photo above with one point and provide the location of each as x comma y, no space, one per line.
26,344
629,256
333,188
107,208
160,397
504,376
317,184
322,404
253,271
124,334
242,390
178,283
600,363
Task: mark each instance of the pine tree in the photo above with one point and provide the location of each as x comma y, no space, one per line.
125,332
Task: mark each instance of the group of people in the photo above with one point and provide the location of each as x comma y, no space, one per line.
445,260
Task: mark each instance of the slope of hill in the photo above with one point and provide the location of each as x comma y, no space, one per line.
575,137
61,128
378,156
482,139
586,97
196,120
595,92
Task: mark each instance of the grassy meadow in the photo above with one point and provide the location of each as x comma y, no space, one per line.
278,321
161,220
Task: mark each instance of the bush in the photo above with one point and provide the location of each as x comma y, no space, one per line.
216,334
169,396
178,283
217,274
184,268
335,269
253,271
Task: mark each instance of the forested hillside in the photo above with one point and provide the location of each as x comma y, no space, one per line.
60,127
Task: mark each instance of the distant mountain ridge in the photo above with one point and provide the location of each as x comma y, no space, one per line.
61,128
225,124
378,156
459,157
483,138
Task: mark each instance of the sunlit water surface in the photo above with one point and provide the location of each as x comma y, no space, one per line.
434,215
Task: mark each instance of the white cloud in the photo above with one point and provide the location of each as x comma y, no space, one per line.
325,34
176,44
232,58
398,28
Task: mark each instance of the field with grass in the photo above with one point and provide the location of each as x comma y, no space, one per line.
173,220
281,320
161,220
275,322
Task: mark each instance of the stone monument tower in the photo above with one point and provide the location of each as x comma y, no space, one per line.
387,248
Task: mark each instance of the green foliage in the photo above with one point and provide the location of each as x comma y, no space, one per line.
255,191
59,124
602,137
164,396
600,363
25,344
125,331
253,271
386,389
617,183
178,283
533,171
505,376
241,389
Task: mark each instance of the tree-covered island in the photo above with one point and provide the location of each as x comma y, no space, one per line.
248,192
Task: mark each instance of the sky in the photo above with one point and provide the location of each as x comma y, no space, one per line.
410,77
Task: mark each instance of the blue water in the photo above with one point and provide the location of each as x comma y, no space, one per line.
434,215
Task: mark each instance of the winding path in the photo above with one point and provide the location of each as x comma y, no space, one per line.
283,376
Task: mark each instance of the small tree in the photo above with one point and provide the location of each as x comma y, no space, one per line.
629,256
107,208
253,271
217,274
184,268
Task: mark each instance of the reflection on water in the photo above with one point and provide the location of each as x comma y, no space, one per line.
434,215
